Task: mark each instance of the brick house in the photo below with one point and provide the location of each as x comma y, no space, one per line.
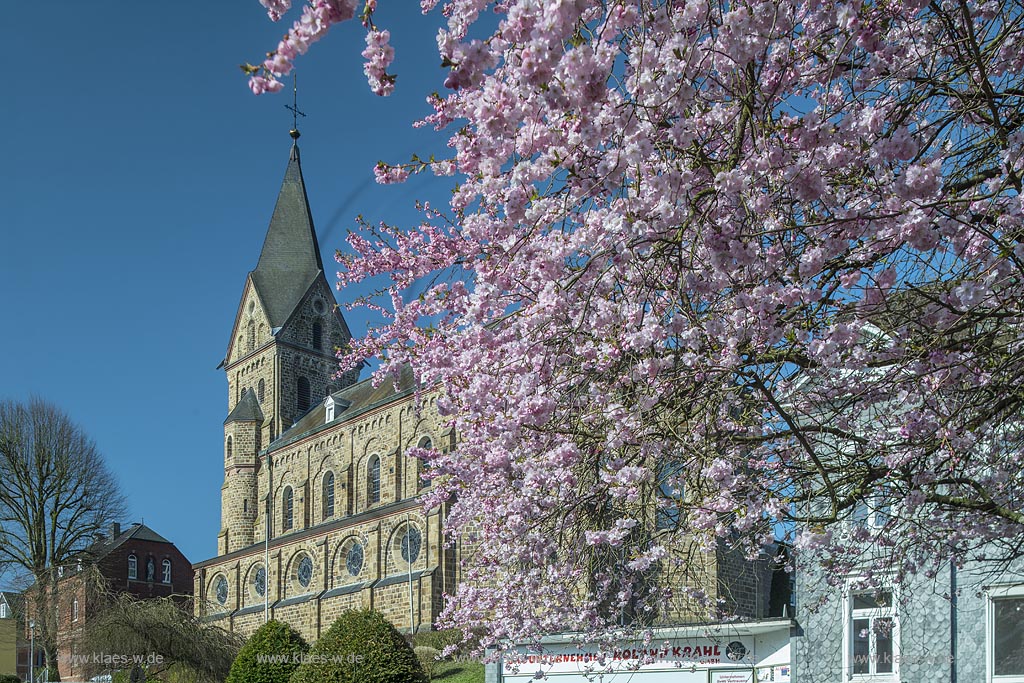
135,561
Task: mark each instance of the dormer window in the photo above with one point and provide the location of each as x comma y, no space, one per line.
329,405
133,567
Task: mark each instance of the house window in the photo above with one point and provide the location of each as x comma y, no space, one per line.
167,571
287,509
3,611
1005,631
74,610
133,567
374,480
318,336
872,631
302,395
328,495
874,511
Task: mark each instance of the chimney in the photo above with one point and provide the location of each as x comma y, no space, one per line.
115,529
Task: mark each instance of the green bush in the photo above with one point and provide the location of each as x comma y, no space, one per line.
438,640
272,640
361,647
9,678
428,659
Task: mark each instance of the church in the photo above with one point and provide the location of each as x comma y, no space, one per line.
320,508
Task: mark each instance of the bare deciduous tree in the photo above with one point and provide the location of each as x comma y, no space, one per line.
56,495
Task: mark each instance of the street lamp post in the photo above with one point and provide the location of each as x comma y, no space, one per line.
32,651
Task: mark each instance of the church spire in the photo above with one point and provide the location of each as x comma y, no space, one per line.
290,259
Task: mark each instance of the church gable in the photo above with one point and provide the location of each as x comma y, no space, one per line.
252,326
315,323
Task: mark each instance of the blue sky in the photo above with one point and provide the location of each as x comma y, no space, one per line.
137,179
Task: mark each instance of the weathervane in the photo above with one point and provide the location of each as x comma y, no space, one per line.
294,107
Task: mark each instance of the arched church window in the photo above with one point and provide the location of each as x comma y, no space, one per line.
133,567
220,588
302,395
373,480
305,571
354,558
252,335
230,448
167,571
328,495
318,335
421,468
287,509
671,496
411,541
261,390
259,582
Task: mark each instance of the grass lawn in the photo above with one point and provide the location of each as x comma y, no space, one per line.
459,672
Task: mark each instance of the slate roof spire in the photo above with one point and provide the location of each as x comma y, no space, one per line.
290,259
247,409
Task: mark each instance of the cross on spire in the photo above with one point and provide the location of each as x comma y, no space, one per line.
294,107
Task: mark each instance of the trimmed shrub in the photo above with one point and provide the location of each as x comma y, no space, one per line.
9,678
271,655
361,647
428,659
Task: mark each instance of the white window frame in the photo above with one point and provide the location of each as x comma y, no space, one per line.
3,610
74,610
166,569
877,510
133,567
993,593
853,585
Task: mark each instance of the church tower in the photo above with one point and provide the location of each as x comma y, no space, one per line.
281,357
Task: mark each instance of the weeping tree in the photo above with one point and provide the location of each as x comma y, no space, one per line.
56,495
161,635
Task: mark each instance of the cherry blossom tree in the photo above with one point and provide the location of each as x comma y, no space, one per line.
713,272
